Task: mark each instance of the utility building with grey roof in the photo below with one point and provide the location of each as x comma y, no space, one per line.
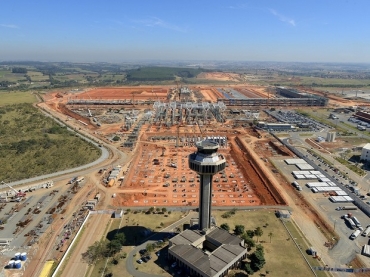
207,254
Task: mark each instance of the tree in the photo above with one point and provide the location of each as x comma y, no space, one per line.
94,252
120,237
116,138
225,226
257,259
151,209
270,235
150,247
258,232
113,247
250,233
249,242
164,210
248,269
157,210
239,229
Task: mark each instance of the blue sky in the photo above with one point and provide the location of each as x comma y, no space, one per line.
118,31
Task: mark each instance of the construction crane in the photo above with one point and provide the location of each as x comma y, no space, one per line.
178,91
17,193
133,97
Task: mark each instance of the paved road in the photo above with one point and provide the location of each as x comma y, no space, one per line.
130,261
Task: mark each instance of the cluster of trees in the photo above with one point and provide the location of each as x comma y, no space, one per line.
161,73
105,249
5,84
257,258
19,70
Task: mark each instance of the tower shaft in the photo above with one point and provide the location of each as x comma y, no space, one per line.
205,201
206,162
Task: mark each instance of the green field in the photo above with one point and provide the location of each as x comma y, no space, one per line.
324,82
32,144
282,255
131,224
9,98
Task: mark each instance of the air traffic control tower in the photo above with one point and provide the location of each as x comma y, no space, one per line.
206,162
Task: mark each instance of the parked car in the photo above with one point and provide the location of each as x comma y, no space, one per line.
143,251
139,261
174,264
158,253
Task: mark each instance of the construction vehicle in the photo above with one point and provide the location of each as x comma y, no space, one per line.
74,179
111,182
18,194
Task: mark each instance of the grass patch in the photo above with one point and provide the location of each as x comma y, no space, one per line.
32,144
282,256
350,166
319,117
132,224
16,97
304,244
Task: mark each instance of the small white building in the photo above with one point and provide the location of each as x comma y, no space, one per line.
365,153
118,213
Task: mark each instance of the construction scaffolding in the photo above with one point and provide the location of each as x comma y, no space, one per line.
189,113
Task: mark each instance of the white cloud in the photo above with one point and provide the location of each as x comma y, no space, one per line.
157,22
283,18
12,26
239,7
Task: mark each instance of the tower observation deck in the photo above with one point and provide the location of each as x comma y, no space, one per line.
206,162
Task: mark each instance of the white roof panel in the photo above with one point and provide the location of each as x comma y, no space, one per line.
304,166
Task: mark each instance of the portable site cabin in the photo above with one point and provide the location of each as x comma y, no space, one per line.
283,213
118,213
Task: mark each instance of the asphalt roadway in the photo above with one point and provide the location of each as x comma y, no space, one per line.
130,261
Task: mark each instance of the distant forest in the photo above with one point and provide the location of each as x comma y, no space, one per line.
162,73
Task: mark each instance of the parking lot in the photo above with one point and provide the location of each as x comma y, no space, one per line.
346,247
301,121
